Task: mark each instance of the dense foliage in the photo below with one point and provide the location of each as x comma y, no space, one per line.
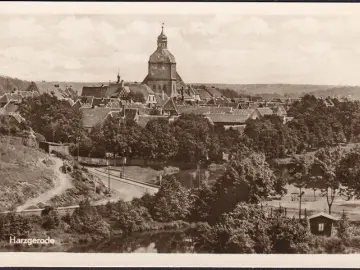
55,119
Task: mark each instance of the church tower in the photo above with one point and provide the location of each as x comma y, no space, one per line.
162,75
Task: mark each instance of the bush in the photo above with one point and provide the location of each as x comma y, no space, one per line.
40,138
50,218
62,155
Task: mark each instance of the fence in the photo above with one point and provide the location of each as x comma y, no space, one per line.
117,162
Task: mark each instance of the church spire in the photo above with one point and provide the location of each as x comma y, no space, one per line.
162,39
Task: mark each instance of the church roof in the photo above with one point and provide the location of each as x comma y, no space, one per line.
162,55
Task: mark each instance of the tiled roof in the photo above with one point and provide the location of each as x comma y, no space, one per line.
14,97
100,102
4,99
95,91
48,87
77,104
15,116
93,116
242,111
204,109
140,88
162,55
323,215
10,107
161,99
204,95
170,106
214,92
32,87
86,101
265,111
228,118
113,90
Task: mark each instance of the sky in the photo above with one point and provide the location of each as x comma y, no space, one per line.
217,48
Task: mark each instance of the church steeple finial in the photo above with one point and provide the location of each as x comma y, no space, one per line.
162,28
118,76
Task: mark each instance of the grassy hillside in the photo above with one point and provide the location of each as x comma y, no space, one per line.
23,175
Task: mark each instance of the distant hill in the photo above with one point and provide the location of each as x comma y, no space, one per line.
8,84
289,90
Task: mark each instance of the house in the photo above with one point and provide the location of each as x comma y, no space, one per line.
94,116
322,224
279,110
161,99
265,111
139,88
228,120
94,91
3,100
203,94
170,108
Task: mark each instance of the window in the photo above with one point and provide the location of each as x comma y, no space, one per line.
321,227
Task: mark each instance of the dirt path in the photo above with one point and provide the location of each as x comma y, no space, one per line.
62,183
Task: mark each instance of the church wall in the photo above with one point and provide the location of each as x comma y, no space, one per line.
160,71
158,86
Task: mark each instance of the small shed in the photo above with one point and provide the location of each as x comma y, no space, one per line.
322,224
50,146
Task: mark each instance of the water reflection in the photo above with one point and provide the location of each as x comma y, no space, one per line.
159,242
192,178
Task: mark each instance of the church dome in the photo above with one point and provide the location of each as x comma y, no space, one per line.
162,55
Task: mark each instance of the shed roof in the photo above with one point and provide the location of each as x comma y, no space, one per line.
322,214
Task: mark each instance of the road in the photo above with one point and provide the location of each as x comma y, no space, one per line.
62,183
125,189
123,185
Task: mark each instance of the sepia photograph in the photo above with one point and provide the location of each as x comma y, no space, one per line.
149,130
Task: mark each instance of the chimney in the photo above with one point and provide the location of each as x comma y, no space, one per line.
162,95
122,83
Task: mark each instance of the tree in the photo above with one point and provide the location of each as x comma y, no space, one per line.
300,174
160,140
201,202
55,119
171,202
249,179
50,218
324,171
348,172
343,228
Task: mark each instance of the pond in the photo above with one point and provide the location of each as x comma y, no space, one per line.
149,242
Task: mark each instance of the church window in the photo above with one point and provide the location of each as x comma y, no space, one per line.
159,87
164,87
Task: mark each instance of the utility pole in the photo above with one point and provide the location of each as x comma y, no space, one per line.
78,146
108,167
300,197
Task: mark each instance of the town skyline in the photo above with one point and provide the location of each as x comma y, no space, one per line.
233,49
